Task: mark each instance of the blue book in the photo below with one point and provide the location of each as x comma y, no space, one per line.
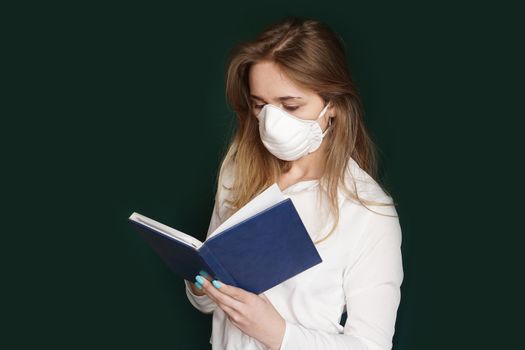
261,245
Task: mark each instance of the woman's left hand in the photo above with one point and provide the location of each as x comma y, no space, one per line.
251,313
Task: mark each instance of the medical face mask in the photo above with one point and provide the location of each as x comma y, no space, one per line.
288,137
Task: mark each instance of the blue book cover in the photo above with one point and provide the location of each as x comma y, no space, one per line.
255,254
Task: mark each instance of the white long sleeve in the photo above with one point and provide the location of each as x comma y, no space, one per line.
372,294
361,272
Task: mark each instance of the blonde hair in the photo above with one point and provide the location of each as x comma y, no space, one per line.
311,55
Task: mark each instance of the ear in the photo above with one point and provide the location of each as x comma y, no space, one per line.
331,111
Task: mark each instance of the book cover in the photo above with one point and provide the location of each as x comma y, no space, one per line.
261,245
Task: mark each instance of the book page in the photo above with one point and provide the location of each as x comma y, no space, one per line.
270,196
166,230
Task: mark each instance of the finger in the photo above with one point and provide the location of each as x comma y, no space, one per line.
236,293
202,284
220,297
210,296
204,274
200,280
233,315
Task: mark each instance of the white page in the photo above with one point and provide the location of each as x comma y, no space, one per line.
166,230
270,196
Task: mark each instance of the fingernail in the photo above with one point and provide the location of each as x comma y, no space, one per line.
199,279
204,273
217,284
198,285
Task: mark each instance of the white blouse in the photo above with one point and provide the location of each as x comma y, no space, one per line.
361,273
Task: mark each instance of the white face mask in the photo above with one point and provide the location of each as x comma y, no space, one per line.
288,137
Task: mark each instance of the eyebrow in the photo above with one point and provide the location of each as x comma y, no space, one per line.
282,98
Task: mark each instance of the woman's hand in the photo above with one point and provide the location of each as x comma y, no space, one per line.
251,313
195,290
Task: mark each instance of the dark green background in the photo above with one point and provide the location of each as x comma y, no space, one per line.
110,109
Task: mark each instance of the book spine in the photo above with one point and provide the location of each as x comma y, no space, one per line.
221,274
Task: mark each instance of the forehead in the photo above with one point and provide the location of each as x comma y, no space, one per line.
267,81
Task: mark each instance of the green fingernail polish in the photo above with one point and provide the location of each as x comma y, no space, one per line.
199,279
217,284
198,285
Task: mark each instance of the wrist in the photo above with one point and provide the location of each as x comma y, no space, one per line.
279,338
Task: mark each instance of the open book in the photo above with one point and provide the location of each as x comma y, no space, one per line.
261,245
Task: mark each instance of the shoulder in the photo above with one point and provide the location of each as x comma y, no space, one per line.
225,180
378,221
226,177
357,179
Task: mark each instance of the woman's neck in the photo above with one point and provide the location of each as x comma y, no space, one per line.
308,167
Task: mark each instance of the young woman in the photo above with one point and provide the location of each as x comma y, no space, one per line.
300,125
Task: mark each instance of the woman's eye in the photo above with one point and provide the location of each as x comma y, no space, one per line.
290,108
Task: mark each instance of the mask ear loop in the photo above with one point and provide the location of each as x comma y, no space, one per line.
324,110
328,127
329,119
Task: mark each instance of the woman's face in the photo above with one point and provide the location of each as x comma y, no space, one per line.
269,85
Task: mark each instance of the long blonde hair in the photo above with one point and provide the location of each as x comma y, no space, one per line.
311,55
